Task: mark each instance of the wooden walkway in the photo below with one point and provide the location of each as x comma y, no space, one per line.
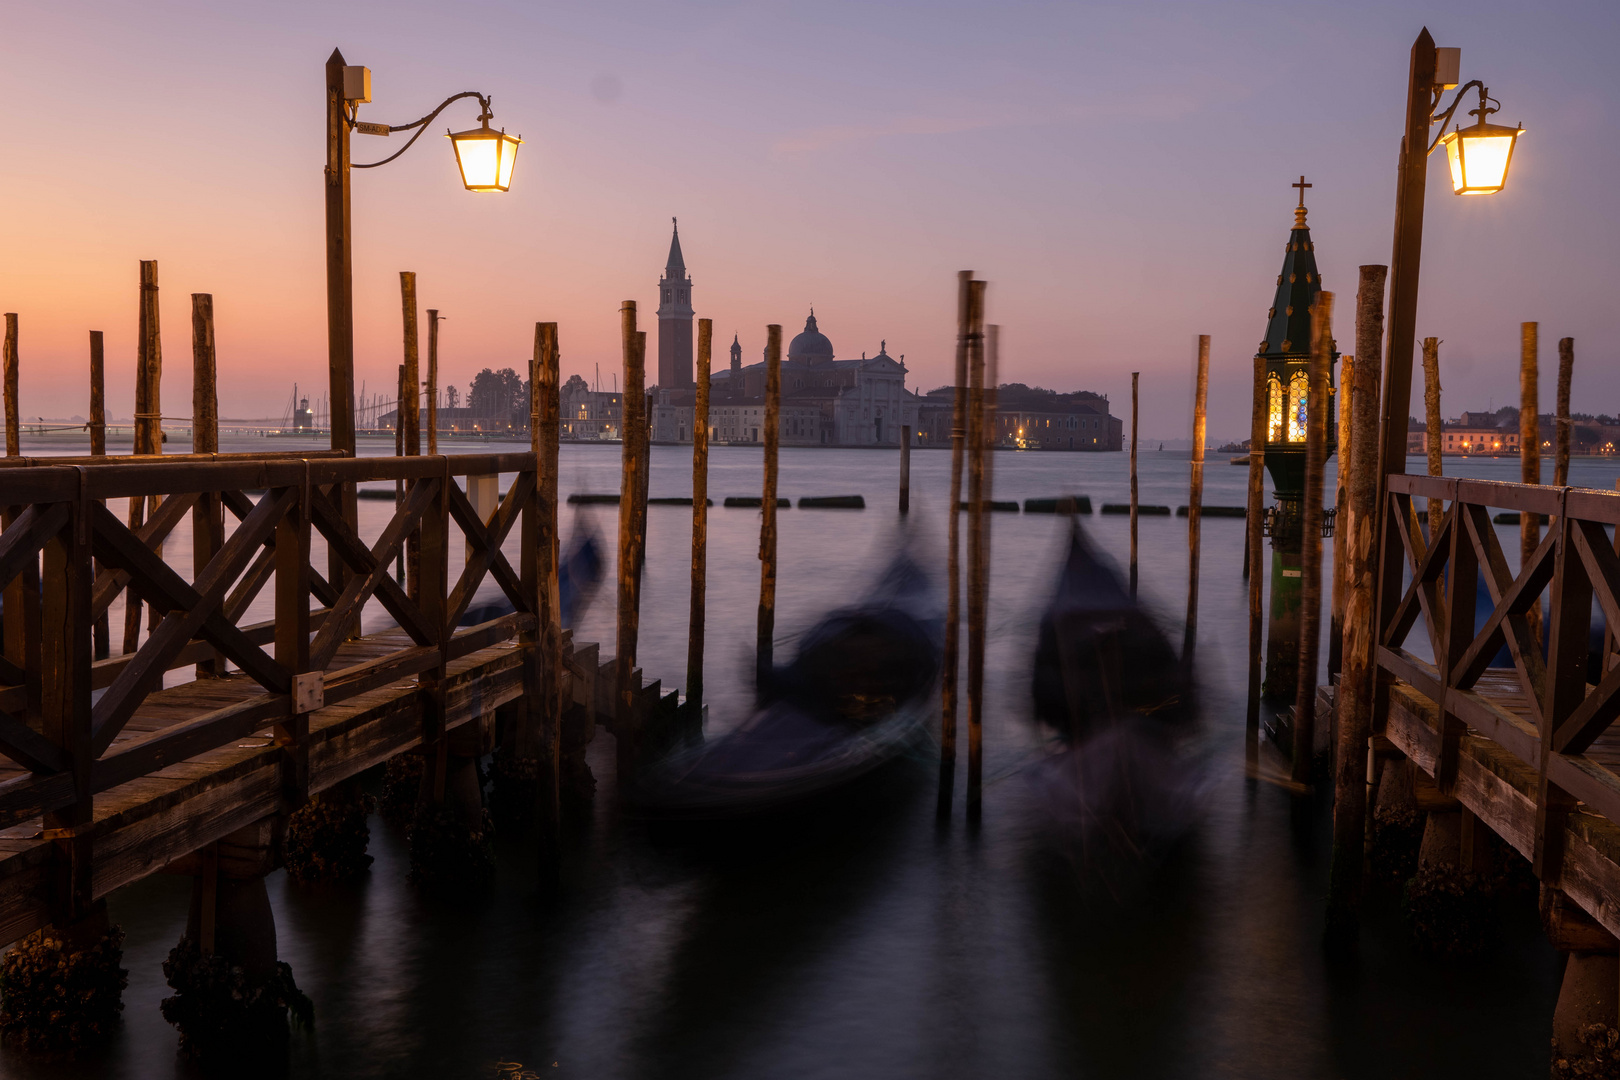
1529,749
140,826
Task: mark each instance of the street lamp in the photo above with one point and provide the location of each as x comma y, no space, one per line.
1479,154
485,158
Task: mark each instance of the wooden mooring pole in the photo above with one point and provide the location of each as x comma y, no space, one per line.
763,647
1353,701
102,631
1136,378
632,401
978,564
410,417
208,514
399,451
1529,457
1432,425
1310,603
953,568
1341,497
905,469
1195,503
700,532
544,433
148,436
1254,553
13,431
433,383
1566,370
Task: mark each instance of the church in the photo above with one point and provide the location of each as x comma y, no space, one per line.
825,401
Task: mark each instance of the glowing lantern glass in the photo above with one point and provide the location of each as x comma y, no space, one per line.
1479,157
486,157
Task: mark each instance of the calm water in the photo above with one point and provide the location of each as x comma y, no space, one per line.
883,947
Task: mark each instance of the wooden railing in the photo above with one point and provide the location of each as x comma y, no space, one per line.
53,725
1574,562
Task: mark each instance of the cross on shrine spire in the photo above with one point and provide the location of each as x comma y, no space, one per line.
1299,211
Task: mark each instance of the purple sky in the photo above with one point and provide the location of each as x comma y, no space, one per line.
1118,172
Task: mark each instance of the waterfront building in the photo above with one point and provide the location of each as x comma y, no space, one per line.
825,401
1030,418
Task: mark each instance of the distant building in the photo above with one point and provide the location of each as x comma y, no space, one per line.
1030,418
585,414
675,320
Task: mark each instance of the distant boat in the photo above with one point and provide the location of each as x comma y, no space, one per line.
858,694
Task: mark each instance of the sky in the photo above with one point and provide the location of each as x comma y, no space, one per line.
1118,173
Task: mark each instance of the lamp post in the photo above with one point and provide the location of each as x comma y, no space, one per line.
1479,155
485,158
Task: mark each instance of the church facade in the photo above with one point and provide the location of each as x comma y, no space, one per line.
825,401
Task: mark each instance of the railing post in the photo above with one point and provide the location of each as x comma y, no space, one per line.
64,674
292,646
1462,576
1563,691
208,516
433,572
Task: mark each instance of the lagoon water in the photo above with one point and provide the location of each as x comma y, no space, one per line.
886,946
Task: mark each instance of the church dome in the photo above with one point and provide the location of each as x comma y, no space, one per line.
812,345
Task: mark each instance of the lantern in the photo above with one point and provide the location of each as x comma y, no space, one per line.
485,156
1479,157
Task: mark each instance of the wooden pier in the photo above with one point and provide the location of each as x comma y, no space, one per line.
109,775
1530,750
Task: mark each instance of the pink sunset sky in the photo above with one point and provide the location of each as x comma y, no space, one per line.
1119,173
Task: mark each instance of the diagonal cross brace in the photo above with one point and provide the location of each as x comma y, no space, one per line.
488,540
371,571
190,610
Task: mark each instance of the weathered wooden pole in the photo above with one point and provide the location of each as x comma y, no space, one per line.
977,564
1195,502
399,451
1433,425
905,469
1310,629
1353,700
98,396
410,403
410,417
700,532
1566,370
433,383
102,633
13,431
953,571
1136,378
208,514
1341,498
149,367
544,432
632,402
148,434
1254,552
767,522
1529,457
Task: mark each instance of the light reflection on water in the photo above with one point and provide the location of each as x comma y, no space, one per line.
880,946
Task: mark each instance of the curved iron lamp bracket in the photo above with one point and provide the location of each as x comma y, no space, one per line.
1444,118
483,118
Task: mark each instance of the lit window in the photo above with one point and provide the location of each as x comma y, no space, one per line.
1298,393
1275,420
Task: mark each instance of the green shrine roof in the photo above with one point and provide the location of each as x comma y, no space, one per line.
1288,323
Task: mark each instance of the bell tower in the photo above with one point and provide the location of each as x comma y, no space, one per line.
675,320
